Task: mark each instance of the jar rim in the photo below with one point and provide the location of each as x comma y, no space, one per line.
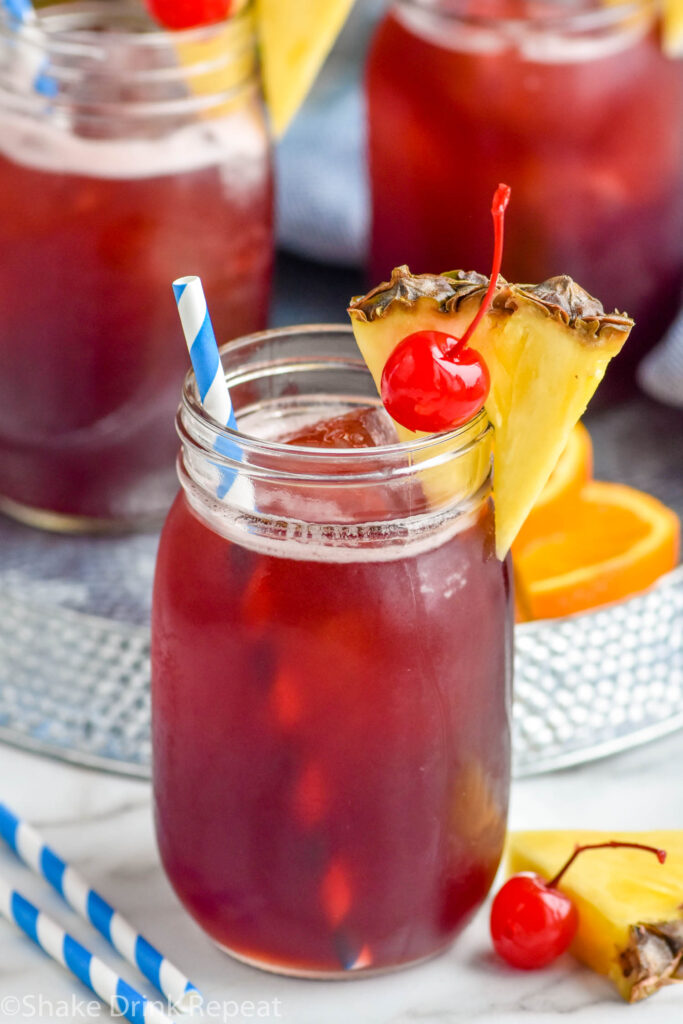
83,46
148,33
286,379
457,441
594,14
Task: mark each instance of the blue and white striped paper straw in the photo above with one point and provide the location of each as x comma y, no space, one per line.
20,10
88,904
22,15
94,973
203,349
208,369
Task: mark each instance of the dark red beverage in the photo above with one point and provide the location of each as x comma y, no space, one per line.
98,215
330,723
580,113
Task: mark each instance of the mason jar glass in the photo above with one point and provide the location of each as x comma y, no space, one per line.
575,106
128,156
331,652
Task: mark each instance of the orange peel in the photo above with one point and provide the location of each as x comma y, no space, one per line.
615,542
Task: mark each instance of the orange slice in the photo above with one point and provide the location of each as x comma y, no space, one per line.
574,468
616,542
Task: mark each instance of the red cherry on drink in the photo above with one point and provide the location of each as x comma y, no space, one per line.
432,381
179,14
532,922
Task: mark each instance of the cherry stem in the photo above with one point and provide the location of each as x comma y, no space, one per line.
501,198
659,854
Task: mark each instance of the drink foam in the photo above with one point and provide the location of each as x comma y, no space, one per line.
318,542
540,45
234,144
238,520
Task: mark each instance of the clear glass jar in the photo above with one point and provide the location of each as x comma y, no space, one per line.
147,157
331,652
576,107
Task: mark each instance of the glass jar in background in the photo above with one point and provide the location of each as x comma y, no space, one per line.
147,157
575,106
331,647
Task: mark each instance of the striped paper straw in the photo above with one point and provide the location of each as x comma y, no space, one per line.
208,369
203,349
88,904
20,10
94,973
22,15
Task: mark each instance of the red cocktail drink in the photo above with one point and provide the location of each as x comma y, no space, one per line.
330,691
105,199
577,109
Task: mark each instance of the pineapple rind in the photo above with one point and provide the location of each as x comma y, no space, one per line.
444,293
559,297
654,957
615,891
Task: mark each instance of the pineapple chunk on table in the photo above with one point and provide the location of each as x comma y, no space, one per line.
630,915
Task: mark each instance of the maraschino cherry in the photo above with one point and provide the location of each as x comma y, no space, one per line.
431,381
532,922
179,14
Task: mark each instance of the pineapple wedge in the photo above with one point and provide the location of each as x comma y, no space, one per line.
673,28
295,37
630,916
546,346
671,12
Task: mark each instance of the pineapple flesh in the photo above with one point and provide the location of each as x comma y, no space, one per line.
629,905
295,37
546,346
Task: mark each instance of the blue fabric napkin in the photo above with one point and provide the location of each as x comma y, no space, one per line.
660,374
322,189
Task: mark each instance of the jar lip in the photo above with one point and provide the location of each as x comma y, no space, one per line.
594,14
69,12
108,59
467,434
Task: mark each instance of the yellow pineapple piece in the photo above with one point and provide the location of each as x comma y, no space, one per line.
671,23
295,37
672,30
630,916
211,65
546,346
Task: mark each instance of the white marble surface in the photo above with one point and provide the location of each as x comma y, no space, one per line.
102,824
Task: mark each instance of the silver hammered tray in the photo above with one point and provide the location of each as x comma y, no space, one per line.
74,666
74,650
